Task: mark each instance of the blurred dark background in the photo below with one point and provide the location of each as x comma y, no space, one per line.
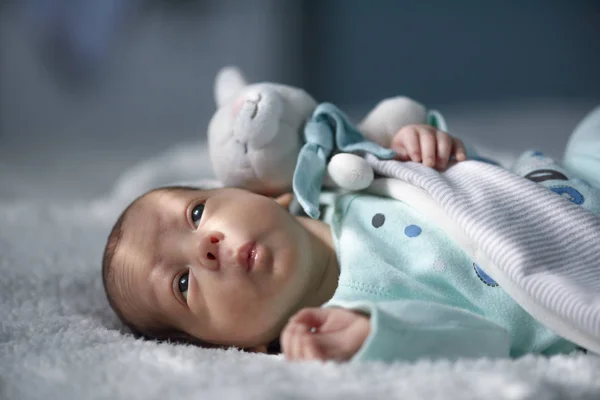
445,52
90,87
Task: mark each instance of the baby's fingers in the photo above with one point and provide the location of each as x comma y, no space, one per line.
299,343
406,143
291,341
428,146
444,148
311,317
458,149
310,348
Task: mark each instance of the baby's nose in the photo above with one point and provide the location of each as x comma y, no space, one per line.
209,251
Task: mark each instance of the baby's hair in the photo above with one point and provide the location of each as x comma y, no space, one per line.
160,334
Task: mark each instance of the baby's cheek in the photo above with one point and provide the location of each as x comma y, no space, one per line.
235,300
244,321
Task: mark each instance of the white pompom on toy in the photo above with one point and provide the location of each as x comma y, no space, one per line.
350,171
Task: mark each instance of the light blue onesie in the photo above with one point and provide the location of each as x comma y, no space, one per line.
426,298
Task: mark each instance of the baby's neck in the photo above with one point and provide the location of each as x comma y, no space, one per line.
326,278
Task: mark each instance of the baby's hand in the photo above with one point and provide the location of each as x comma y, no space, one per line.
324,334
424,143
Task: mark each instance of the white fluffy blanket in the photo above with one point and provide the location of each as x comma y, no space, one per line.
59,340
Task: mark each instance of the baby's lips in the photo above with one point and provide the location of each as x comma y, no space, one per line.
245,255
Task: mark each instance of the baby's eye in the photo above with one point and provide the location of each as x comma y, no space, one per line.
183,285
197,213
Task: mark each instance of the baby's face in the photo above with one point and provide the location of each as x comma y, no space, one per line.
221,265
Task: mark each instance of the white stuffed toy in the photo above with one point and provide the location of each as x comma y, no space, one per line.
258,131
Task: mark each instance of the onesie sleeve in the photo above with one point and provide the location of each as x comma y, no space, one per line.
407,330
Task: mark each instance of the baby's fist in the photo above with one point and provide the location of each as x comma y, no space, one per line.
429,145
324,334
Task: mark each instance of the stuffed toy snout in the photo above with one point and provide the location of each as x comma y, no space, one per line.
256,133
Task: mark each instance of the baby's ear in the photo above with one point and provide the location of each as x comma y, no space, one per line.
285,200
228,84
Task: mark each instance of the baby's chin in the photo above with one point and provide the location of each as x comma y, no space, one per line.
265,336
245,334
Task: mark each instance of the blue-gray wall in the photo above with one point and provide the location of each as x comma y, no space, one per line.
441,51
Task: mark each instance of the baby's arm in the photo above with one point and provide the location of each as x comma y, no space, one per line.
390,331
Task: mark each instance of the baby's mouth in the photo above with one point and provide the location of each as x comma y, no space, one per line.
246,256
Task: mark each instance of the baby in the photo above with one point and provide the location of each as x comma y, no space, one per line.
373,280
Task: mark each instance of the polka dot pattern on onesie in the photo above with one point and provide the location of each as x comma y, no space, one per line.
439,265
485,278
412,231
378,220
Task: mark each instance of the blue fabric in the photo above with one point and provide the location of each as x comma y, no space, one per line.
328,131
425,296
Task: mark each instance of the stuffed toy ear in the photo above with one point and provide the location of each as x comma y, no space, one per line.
437,120
228,84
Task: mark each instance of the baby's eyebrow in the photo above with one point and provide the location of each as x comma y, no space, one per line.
175,216
161,286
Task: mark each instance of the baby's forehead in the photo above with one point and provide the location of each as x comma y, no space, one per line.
147,215
140,226
167,195
154,203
